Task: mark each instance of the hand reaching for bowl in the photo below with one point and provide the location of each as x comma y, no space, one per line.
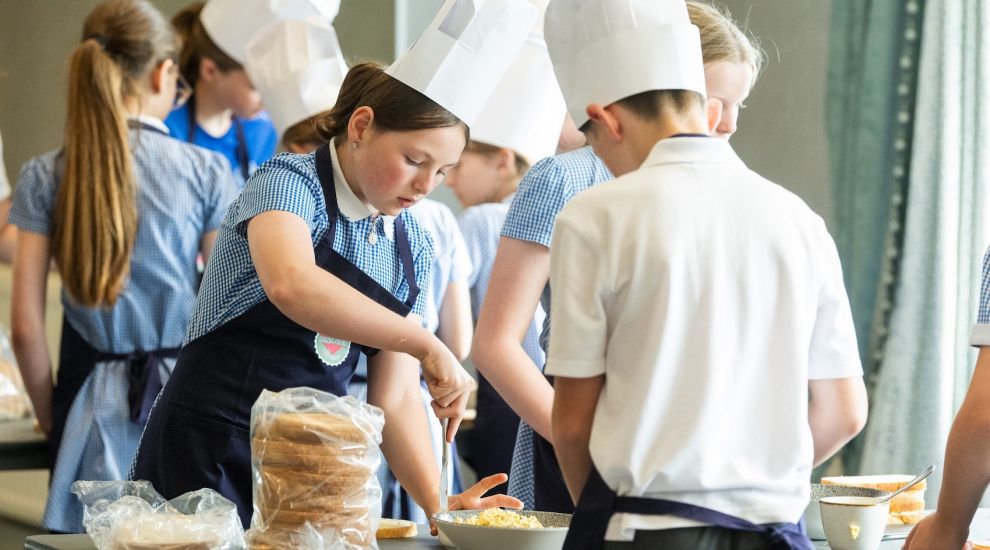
475,499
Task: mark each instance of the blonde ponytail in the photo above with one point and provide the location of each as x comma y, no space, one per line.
95,218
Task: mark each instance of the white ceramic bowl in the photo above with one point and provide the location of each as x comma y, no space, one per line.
477,537
813,515
854,523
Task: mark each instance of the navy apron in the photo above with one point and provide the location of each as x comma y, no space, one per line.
199,432
77,359
598,503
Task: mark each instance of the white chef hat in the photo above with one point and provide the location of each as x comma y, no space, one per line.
462,55
231,24
526,111
297,67
607,50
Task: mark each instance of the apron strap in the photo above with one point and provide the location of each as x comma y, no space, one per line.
598,503
324,169
405,256
241,152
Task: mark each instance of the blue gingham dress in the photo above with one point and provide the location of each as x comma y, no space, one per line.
289,183
183,192
980,334
542,194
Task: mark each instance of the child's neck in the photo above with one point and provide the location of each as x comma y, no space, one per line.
347,169
507,188
212,116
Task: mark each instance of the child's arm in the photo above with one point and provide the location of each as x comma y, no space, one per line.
836,413
456,326
282,252
393,385
27,314
520,272
967,469
574,406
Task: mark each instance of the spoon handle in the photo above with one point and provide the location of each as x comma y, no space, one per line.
928,471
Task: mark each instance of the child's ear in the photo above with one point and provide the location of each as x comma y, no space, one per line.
357,126
159,74
606,119
506,160
713,111
207,69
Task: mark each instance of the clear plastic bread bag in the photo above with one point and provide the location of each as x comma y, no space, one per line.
14,401
314,462
131,515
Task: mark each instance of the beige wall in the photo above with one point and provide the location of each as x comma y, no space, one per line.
782,130
36,37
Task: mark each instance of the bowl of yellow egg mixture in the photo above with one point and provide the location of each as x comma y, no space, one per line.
497,529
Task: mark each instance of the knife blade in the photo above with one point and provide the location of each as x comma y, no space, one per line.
445,458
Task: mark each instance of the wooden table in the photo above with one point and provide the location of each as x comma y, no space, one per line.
21,447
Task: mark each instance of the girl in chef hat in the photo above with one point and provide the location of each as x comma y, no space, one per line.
224,113
316,245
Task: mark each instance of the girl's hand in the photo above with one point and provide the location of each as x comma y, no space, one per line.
475,499
448,383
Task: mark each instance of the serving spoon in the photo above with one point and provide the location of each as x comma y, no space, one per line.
928,471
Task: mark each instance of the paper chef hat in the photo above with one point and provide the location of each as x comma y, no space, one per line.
526,111
462,55
607,50
297,67
232,24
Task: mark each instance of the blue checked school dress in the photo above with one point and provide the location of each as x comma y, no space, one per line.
113,361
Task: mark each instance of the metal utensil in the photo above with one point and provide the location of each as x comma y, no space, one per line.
445,458
928,471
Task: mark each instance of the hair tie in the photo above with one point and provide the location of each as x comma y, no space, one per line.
100,38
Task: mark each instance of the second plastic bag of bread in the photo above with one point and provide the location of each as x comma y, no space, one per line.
131,515
314,460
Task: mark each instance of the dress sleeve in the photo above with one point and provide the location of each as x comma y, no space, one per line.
34,198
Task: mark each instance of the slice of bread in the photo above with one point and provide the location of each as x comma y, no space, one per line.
395,529
889,482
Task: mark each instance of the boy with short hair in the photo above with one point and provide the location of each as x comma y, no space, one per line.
698,304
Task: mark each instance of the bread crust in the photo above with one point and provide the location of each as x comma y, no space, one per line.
396,529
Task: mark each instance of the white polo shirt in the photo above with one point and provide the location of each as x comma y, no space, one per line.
708,297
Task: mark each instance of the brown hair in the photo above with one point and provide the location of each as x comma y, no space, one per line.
491,150
197,44
397,107
303,133
722,39
95,218
650,104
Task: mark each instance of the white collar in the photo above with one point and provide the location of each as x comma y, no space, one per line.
350,206
150,121
678,150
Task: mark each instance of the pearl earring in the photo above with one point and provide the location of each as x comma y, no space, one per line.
353,145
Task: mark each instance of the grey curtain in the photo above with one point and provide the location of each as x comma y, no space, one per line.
873,71
925,361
